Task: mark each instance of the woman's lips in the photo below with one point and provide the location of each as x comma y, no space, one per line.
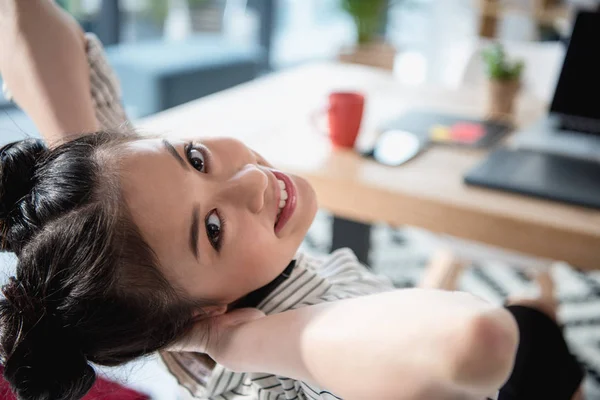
290,203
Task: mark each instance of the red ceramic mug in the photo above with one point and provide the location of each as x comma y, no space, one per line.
345,112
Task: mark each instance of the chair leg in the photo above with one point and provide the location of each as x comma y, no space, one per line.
352,234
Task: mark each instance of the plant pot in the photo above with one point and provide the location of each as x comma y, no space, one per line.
502,97
378,54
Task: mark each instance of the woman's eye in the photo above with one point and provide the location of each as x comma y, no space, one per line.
196,158
213,229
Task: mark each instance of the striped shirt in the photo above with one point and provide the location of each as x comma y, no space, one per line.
105,87
312,280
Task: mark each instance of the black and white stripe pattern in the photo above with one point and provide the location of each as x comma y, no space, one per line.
105,88
106,91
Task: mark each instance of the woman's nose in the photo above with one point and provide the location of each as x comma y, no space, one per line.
247,188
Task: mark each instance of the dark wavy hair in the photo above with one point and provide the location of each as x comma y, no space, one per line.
87,288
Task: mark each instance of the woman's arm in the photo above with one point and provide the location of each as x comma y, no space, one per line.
406,344
43,62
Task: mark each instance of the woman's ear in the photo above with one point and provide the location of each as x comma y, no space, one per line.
210,311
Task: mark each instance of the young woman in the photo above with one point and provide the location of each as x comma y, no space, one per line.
128,245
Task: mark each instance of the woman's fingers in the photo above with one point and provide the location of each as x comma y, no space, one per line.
240,316
206,336
195,340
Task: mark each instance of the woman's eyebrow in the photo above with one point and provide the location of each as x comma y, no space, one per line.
195,212
174,153
194,231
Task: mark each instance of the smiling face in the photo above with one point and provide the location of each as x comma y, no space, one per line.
215,214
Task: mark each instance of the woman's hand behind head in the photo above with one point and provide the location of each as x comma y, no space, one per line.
212,335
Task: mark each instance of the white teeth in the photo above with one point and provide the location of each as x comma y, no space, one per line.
283,196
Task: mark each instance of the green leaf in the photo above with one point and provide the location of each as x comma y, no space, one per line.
497,65
367,16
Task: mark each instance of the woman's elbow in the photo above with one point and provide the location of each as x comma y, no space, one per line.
487,349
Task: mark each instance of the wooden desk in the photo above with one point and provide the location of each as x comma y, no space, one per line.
272,115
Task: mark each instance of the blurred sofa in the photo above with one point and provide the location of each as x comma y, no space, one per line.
157,75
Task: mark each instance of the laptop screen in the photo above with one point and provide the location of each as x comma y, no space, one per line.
578,88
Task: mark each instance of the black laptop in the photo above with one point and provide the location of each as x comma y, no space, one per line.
572,126
562,159
576,100
543,175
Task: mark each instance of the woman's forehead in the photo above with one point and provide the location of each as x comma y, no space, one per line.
139,155
149,173
144,145
155,190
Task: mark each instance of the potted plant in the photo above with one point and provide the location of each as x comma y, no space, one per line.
504,81
369,20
